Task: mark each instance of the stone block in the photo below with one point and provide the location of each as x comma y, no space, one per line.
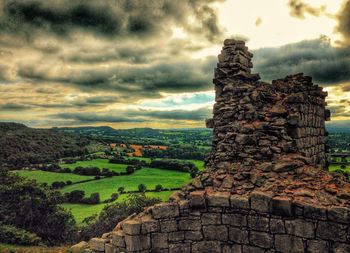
188,224
331,231
193,235
168,226
238,235
97,244
109,248
235,248
180,248
260,201
165,210
206,246
300,228
339,214
149,226
211,218
282,206
314,211
79,247
159,240
197,199
234,219
260,239
137,242
118,239
239,202
341,248
316,246
277,226
131,227
252,249
176,236
259,223
213,232
218,199
289,244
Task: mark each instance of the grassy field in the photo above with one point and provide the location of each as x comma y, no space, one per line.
100,163
147,176
7,248
334,167
81,211
50,177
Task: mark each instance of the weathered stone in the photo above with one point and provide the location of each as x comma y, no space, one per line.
197,199
118,239
300,228
165,210
190,225
176,236
137,242
238,235
109,248
339,214
213,232
260,201
341,248
232,249
277,226
97,244
168,226
240,202
193,235
132,227
180,248
211,218
315,246
219,199
282,206
149,225
79,247
263,240
160,240
252,249
206,246
331,231
233,219
258,223
289,244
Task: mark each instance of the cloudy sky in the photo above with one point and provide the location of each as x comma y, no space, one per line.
137,63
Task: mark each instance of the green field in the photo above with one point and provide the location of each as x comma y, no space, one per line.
147,176
81,211
50,177
333,167
100,163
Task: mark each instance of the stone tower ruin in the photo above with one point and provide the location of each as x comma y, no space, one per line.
265,187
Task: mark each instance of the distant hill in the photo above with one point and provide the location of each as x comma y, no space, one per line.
22,146
342,126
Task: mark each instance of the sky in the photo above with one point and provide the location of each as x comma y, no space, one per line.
136,63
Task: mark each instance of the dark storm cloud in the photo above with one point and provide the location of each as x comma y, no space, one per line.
109,18
199,114
344,22
141,115
317,58
95,117
14,107
148,80
298,8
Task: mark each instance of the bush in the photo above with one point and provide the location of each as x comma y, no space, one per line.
121,189
159,188
12,235
75,196
142,188
93,199
114,213
130,170
58,185
69,182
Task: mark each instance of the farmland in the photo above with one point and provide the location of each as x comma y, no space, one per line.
99,163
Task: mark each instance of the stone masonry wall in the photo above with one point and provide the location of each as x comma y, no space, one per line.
264,188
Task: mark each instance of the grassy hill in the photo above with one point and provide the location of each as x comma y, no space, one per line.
21,146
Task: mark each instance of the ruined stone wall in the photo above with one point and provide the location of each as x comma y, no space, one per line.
263,189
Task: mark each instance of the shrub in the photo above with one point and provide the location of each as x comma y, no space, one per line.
159,188
121,189
13,235
130,170
114,213
58,185
142,188
75,196
93,199
69,182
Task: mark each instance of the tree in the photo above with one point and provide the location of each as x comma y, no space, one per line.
342,167
142,188
130,170
159,187
121,189
75,196
27,205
